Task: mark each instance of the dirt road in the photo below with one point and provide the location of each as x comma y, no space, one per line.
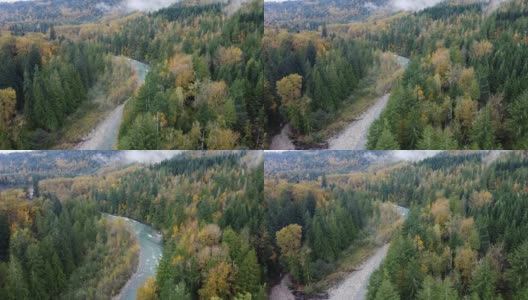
354,137
282,141
355,286
104,136
281,291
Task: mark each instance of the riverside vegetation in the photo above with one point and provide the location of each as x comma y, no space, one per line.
463,237
58,75
463,88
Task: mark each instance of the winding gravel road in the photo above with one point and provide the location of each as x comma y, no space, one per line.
281,290
355,286
354,137
282,141
104,136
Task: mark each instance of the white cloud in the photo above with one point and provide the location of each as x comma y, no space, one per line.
414,4
12,151
150,5
149,156
414,155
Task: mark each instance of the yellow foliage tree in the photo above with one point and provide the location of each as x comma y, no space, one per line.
7,108
222,139
289,241
213,94
229,56
481,199
441,61
465,112
289,88
440,211
480,49
148,290
465,262
218,282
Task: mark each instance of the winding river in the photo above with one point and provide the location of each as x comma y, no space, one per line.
150,252
104,136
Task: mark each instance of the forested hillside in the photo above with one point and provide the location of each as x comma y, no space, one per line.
309,76
25,169
466,84
309,15
204,89
61,250
39,15
310,165
465,236
207,205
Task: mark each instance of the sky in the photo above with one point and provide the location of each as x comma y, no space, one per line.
11,151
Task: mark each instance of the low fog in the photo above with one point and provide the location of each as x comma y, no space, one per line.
153,156
150,5
136,5
414,155
413,4
153,5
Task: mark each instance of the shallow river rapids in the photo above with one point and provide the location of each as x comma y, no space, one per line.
150,252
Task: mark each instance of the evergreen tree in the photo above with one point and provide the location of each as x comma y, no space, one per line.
248,276
17,288
518,273
37,273
484,280
387,291
483,133
4,237
386,140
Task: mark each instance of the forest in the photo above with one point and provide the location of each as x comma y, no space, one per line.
206,94
309,76
465,86
206,205
51,249
464,237
40,90
59,76
465,234
234,223
301,15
